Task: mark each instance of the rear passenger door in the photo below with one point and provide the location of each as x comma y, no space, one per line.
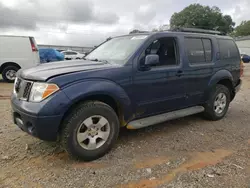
199,62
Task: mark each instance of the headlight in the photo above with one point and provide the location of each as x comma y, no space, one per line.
41,91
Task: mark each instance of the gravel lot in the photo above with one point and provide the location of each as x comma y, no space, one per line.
188,152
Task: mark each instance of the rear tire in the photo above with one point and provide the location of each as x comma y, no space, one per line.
9,73
218,103
84,136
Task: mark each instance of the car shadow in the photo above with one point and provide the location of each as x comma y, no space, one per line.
53,149
167,127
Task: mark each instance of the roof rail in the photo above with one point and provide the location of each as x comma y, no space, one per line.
138,31
195,30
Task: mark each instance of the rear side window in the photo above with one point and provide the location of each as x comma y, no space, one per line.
198,50
208,49
194,50
228,49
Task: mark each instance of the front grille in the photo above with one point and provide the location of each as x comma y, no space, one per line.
27,90
22,88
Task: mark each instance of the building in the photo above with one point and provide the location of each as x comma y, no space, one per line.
243,44
61,48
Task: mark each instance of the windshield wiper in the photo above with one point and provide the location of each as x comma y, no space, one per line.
99,60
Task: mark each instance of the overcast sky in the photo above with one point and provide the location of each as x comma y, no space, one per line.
89,22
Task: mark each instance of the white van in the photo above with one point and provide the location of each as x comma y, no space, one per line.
17,52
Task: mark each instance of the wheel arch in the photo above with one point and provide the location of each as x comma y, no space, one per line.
106,91
107,99
6,64
229,84
223,77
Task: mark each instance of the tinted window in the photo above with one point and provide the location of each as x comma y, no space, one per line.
208,49
228,49
194,50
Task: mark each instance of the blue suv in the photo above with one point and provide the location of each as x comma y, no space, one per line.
130,81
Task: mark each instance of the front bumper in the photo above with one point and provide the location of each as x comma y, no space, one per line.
44,128
41,120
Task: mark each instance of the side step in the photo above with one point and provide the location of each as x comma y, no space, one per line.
145,122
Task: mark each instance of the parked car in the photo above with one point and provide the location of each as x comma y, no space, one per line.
71,55
245,58
50,55
130,81
17,52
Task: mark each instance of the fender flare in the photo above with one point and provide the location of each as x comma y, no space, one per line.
217,77
79,91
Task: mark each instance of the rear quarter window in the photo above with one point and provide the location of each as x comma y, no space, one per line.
228,49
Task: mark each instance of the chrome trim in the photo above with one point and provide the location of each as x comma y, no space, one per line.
20,91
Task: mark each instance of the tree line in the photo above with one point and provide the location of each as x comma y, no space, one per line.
205,17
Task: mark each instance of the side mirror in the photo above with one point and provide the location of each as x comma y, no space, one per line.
152,59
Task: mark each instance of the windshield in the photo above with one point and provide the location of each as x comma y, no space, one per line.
117,50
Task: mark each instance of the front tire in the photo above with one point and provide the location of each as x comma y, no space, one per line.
9,73
90,131
218,103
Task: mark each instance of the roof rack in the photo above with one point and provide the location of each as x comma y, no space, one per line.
195,30
138,31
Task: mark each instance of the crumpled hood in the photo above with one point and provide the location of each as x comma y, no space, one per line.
45,71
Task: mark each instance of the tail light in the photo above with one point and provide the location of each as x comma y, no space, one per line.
241,68
33,45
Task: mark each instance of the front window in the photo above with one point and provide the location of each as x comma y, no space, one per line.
117,50
165,48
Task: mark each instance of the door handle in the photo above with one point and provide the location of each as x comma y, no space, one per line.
179,73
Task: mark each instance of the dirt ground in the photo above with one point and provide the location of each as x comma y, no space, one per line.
188,152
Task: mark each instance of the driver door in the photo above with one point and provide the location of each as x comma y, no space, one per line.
159,88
